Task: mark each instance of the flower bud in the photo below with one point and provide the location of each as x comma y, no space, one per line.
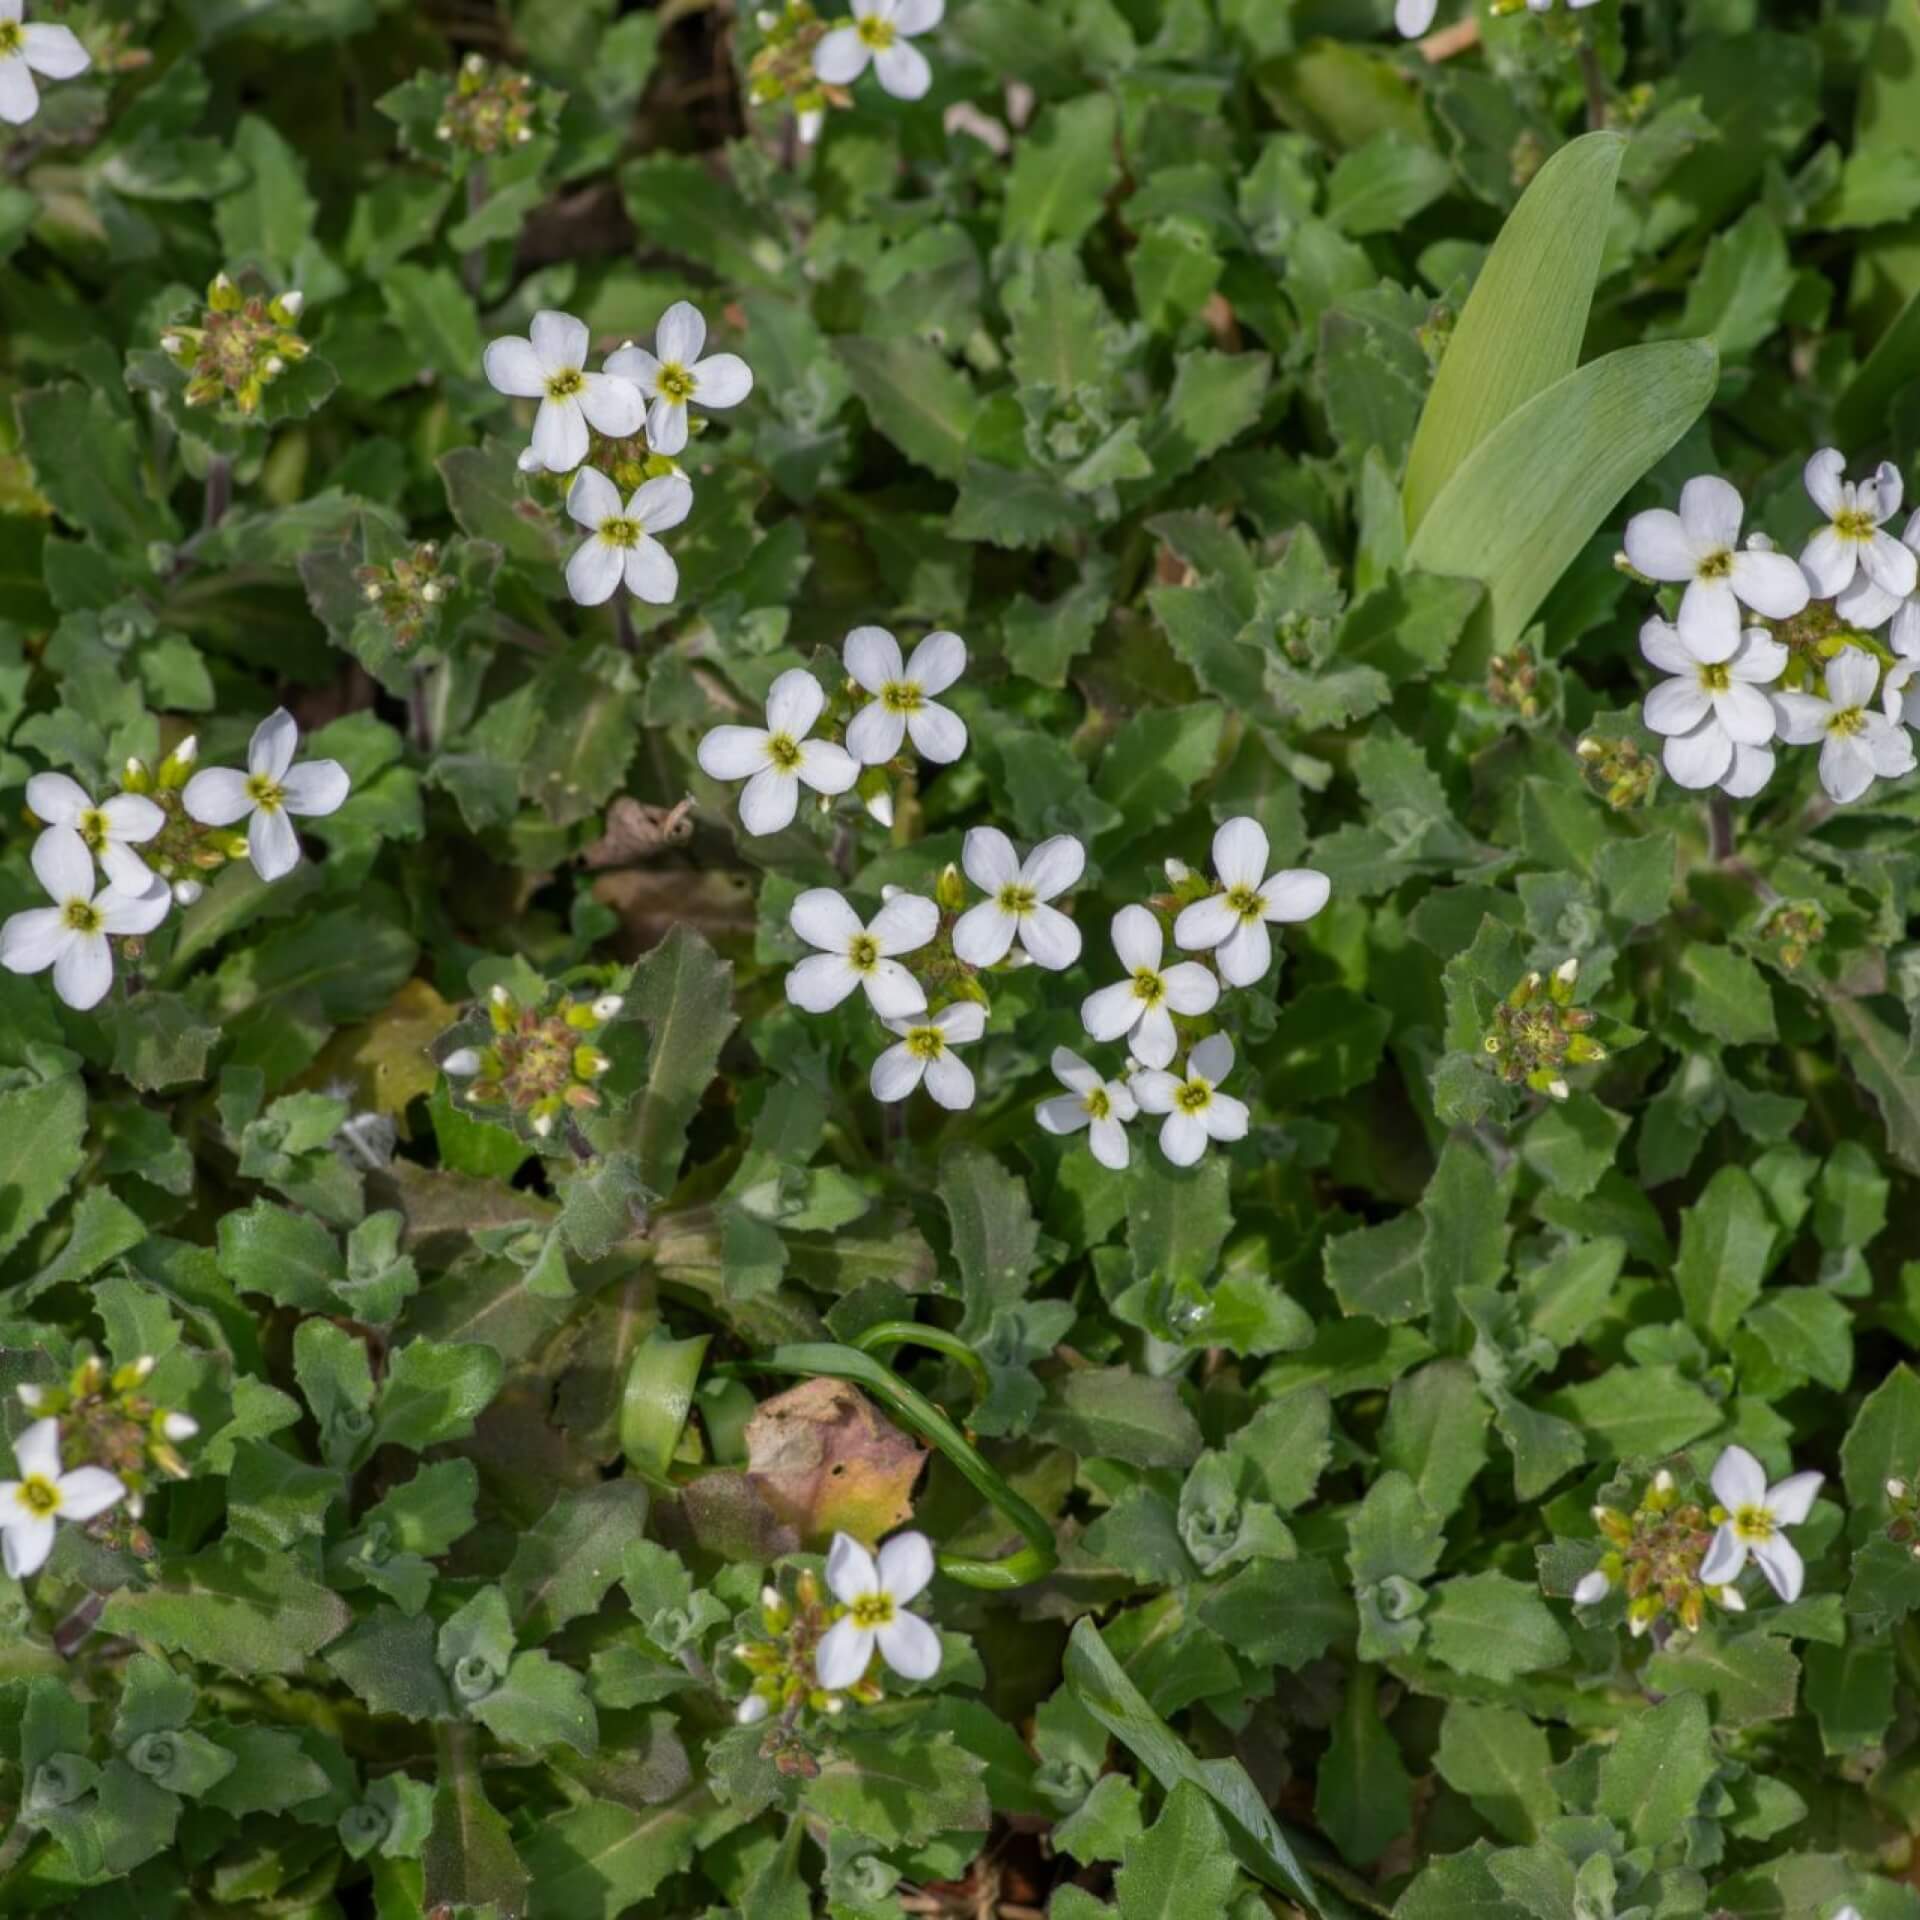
292,303
179,1426
31,1397
751,1710
1896,1488
607,1006
187,892
462,1064
1592,1589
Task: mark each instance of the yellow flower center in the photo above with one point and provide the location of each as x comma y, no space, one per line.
1195,1096
1754,1524
1848,720
12,39
925,1043
39,1496
1246,903
265,793
82,916
783,752
864,954
565,384
1851,524
876,33
92,828
1715,679
872,1610
1098,1105
676,383
1016,899
617,532
902,696
1714,566
1148,986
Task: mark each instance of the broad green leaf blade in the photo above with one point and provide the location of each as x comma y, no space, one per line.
1541,484
1521,329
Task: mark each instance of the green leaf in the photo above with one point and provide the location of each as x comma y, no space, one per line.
913,397
1363,1799
1653,1775
599,1858
1177,1218
433,1393
1724,994
1436,1433
1492,1627
1380,1271
565,1564
1108,1413
469,1858
995,1235
1884,1441
1151,767
1064,167
1181,1865
41,1130
1726,1239
539,1704
1500,1760
899,1788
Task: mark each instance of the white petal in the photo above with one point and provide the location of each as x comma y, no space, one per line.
315,789
988,857
1710,511
1071,1071
1225,1118
794,702
1246,954
1828,562
53,50
272,844
1709,620
851,1573
1889,565
1414,17
904,73
1823,479
1676,706
1726,1555
1153,1041
1880,497
841,57
592,498
62,865
893,993
938,661
1779,1559
560,435
37,1450
1183,1138
134,911
820,982
681,334
636,365
895,1074
769,801
732,753
843,1655
217,797
1696,760
982,935
1739,1481
1108,1139
950,1083
60,800
1846,768
651,572
1212,1059
1889,747
826,768
1050,938
823,919
83,971
1054,866
1062,1114
1751,769
874,734
1802,717
131,817
907,1644
906,1565
1769,583
939,734
615,406
1658,546
666,425
872,657
1792,1500
662,502
594,571
87,1492
1866,606
512,367
1155,1091
1662,645
559,341
1746,713
1761,659
907,922
1852,676
1240,854
721,380
912,17
962,1023
24,1543
31,942
1137,939
1190,987
1295,893
1112,1011
1205,923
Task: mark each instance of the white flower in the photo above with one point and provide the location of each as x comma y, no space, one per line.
1853,540
902,706
1867,606
1701,545
773,760
675,374
926,1052
1857,741
1196,1111
550,366
271,788
1145,1002
1103,1106
1757,1516
1591,1589
1016,902
1899,695
621,542
1234,919
43,1494
751,1710
24,51
1709,708
880,31
71,935
875,1596
852,955
111,830
1414,17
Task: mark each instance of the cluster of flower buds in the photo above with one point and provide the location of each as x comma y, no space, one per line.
1537,1032
1617,770
782,69
243,342
1654,1553
107,1420
536,1062
626,460
185,849
406,593
783,1658
490,109
1793,928
1513,681
1904,1528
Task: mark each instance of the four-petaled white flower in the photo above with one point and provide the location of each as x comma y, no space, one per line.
1757,1517
1103,1107
620,541
1710,708
1144,1003
1196,1111
1854,540
1233,921
674,374
852,955
1857,741
550,366
925,1052
51,51
902,705
1867,606
271,788
31,1506
1016,902
71,935
880,31
111,830
1701,545
875,1595
775,759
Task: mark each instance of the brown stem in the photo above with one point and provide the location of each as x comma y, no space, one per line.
1719,827
1461,37
473,268
1596,83
219,492
70,1634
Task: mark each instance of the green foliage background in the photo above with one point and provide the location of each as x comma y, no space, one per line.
1130,393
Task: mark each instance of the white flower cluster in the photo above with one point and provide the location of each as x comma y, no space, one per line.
881,32
1414,17
53,52
1763,649
74,935
634,390
44,1495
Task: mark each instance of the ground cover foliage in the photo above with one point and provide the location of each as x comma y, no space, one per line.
1322,1161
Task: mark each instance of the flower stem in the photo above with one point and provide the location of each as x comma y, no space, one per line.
1596,84
1719,827
219,492
473,267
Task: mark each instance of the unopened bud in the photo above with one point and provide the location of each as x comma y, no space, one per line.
187,893
462,1064
31,1397
179,1426
1896,1489
751,1710
1592,1589
530,462
608,1005
431,592
293,303
1568,971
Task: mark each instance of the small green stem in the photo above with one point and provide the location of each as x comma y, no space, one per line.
913,1333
